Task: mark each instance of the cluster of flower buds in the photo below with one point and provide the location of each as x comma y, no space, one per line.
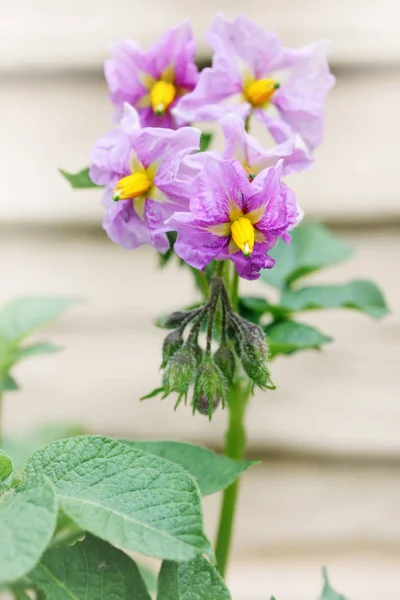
242,349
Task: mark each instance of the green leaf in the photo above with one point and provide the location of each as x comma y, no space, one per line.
20,595
328,593
125,496
27,520
205,141
89,569
358,295
79,180
7,383
149,577
288,337
39,348
194,580
21,446
312,248
20,317
213,472
253,309
6,467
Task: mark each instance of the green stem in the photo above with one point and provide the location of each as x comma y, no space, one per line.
235,443
1,414
235,289
201,282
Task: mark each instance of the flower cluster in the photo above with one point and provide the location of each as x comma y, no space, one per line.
229,205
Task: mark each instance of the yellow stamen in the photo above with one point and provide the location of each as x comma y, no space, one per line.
162,94
132,186
259,92
242,232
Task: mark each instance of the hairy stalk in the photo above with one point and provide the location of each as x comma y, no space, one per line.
235,442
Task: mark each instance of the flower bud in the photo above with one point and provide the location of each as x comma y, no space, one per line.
171,344
209,387
180,371
254,352
225,360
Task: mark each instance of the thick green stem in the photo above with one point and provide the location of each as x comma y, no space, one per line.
235,443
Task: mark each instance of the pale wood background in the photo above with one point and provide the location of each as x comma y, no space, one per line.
329,488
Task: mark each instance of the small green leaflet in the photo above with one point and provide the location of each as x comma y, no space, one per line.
313,247
79,180
287,337
27,520
125,496
360,295
194,580
213,472
89,569
6,467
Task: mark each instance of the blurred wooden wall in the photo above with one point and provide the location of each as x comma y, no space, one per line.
329,489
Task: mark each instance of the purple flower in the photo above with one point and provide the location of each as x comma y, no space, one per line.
141,169
229,219
253,74
155,81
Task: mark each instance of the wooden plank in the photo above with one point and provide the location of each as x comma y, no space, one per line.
50,35
50,123
343,401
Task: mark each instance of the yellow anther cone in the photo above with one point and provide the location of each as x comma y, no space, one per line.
261,91
132,186
162,94
242,232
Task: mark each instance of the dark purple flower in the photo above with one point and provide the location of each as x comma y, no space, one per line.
229,219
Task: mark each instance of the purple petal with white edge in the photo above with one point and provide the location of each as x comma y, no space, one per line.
167,146
244,46
300,99
196,246
216,94
218,187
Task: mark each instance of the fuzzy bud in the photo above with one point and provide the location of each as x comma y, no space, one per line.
180,371
254,352
225,360
171,344
209,387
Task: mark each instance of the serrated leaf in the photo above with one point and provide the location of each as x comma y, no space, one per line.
21,446
6,467
21,316
205,141
194,580
213,472
287,337
312,248
328,593
125,496
89,569
79,180
27,520
358,295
